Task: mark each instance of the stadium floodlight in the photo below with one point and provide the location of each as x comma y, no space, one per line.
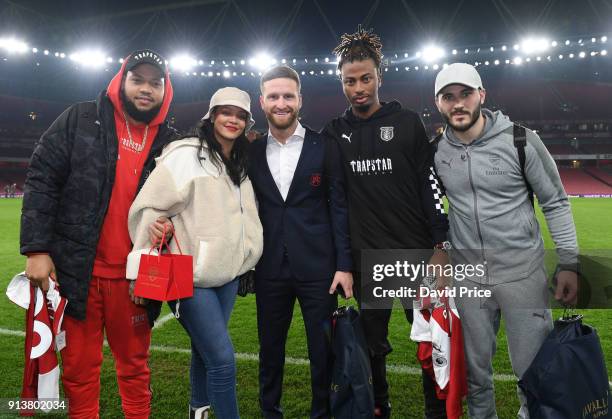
604,39
531,45
582,54
518,61
454,52
183,62
35,50
432,53
262,61
89,58
604,52
226,74
13,46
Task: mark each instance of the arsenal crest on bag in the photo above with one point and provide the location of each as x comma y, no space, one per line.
165,277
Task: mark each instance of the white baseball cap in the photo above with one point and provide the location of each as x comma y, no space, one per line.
458,73
234,97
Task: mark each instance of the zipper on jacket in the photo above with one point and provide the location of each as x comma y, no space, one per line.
242,223
484,258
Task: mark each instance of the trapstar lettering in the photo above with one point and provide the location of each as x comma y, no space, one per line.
372,166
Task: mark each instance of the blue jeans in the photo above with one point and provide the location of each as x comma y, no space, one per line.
213,367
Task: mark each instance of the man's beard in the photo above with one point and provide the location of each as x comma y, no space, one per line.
137,114
293,116
463,128
363,109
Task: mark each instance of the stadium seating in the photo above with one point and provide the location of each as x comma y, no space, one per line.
580,182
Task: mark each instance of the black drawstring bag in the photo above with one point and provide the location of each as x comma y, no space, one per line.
352,393
568,378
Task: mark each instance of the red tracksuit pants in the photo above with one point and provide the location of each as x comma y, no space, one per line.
110,310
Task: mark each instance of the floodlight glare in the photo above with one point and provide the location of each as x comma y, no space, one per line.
89,58
432,53
531,45
262,61
183,62
13,46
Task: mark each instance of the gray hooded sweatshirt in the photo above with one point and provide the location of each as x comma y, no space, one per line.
491,218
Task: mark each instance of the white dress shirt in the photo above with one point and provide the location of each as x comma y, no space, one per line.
283,158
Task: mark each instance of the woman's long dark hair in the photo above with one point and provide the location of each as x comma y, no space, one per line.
236,165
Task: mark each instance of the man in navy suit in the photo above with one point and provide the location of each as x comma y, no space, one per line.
298,178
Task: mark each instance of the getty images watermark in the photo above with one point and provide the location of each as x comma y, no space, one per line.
422,274
479,277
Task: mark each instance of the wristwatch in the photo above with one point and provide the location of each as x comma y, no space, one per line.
445,245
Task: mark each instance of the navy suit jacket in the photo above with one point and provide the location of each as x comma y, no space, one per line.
311,225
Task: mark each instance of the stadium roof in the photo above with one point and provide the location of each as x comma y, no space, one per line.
236,27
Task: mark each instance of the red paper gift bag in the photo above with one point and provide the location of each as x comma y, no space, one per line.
165,277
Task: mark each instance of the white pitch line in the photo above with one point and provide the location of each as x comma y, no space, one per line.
242,356
163,320
11,332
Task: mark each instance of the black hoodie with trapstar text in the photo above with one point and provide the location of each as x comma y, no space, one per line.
394,197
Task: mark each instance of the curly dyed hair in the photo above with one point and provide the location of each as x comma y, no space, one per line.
359,46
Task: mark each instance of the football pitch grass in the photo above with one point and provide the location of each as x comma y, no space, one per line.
170,345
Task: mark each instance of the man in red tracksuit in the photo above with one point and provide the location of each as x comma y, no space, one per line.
83,176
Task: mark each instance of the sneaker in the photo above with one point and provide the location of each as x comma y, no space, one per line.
199,412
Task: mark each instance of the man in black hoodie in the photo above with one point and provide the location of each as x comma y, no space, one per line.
393,198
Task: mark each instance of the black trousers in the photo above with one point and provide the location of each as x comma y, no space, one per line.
375,323
275,300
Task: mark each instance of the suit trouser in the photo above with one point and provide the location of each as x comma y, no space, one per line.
275,300
375,323
110,310
528,322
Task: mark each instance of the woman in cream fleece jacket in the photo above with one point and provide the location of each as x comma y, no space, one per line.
200,183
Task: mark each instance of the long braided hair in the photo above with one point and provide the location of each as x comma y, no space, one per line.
359,46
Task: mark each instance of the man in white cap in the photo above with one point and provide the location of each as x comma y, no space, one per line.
490,168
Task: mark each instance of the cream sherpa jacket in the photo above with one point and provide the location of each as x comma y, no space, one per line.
214,220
